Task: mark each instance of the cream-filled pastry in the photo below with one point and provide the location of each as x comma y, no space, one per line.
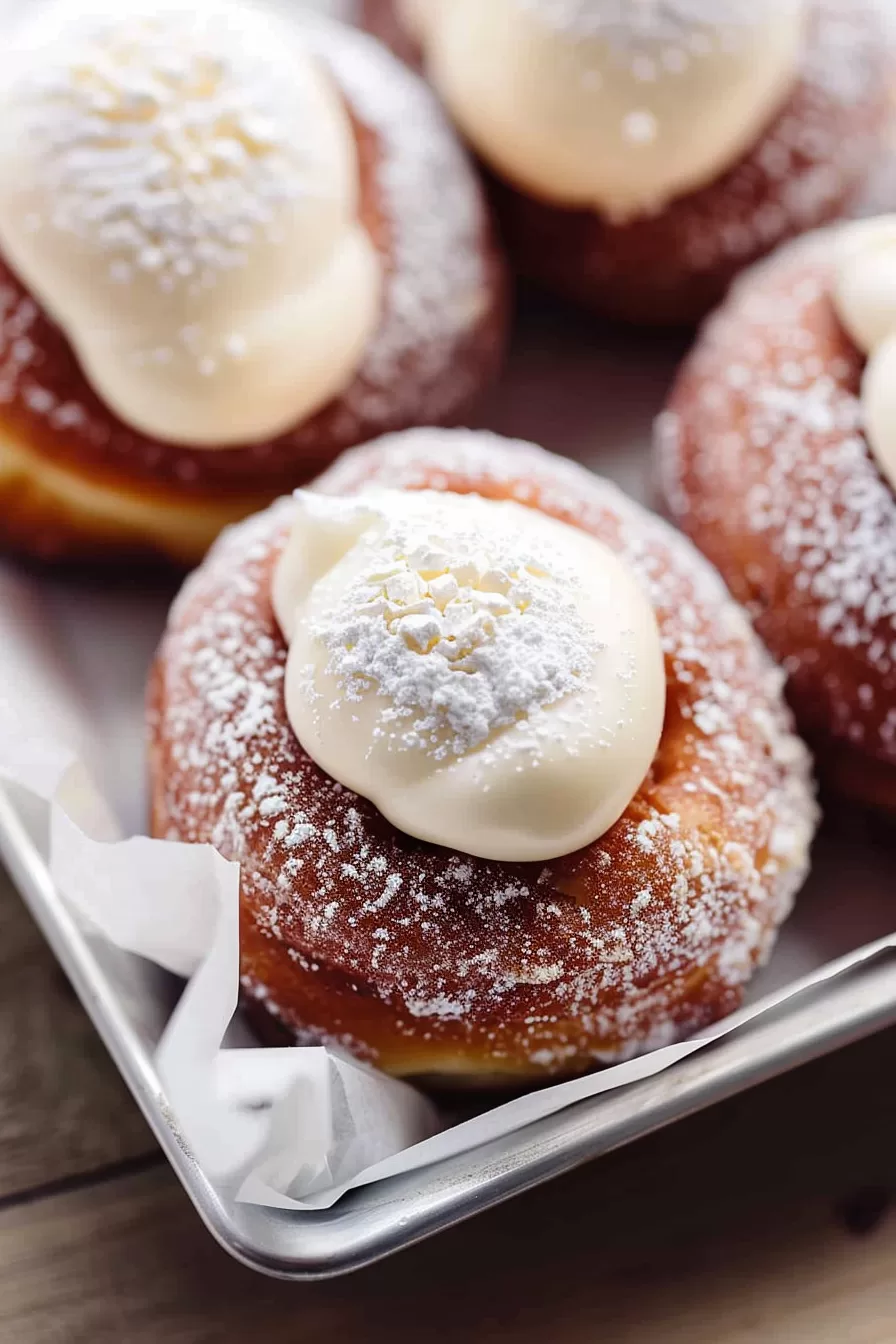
865,298
490,678
179,188
777,454
224,226
617,107
422,706
647,150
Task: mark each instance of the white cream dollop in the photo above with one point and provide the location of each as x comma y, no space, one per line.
619,105
179,189
490,678
865,299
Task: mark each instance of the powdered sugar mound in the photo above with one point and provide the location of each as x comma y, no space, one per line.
463,620
562,964
165,136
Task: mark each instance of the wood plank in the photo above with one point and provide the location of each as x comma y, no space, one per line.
763,1220
63,1107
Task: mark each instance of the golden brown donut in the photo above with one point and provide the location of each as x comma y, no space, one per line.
672,267
764,463
76,481
429,962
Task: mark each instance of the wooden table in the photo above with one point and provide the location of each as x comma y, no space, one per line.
765,1219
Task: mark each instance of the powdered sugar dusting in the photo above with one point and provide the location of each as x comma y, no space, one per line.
631,24
764,460
436,288
817,151
169,138
462,619
559,964
425,360
812,160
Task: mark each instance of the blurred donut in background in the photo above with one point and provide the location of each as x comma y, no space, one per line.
777,456
213,282
644,154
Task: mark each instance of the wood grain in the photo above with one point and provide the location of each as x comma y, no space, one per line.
63,1107
763,1220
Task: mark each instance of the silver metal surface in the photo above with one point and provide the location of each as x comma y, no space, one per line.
129,1001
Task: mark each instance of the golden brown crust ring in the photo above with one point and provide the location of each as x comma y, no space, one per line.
49,512
673,267
440,342
765,465
433,963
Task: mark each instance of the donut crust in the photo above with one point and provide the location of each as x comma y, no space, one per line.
430,963
670,268
763,461
76,481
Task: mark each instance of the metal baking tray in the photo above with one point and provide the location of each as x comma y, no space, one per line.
591,393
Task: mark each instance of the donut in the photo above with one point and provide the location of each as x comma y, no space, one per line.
765,460
668,262
425,960
81,477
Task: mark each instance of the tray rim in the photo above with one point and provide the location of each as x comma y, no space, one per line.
378,1220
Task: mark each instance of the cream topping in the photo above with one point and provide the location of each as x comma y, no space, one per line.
455,938
616,104
490,678
865,299
179,189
